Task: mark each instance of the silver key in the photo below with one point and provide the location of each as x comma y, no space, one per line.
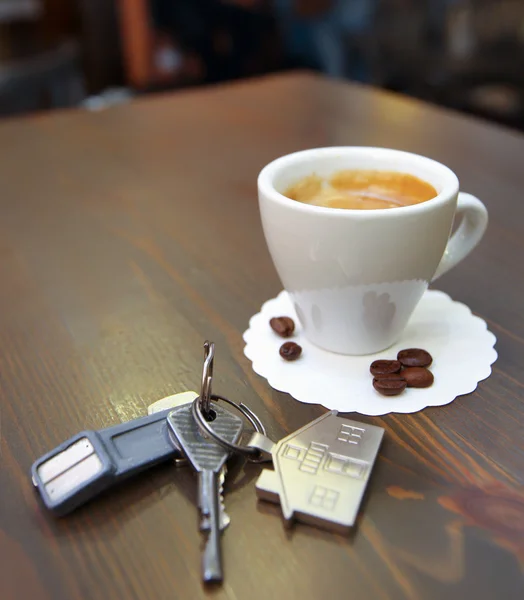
321,470
208,459
223,516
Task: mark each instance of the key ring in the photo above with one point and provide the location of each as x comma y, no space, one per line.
204,400
253,454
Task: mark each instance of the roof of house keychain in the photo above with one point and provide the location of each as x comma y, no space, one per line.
321,470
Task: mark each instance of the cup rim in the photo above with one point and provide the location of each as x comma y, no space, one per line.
268,173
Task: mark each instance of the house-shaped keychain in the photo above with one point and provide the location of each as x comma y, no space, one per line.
321,471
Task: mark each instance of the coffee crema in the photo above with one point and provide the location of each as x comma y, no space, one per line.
362,189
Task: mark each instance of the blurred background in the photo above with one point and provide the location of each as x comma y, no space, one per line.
463,54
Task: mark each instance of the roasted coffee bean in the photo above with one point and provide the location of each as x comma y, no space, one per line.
290,351
284,326
390,376
389,387
382,368
418,377
415,357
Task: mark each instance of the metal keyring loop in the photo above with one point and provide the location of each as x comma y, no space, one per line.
207,377
205,427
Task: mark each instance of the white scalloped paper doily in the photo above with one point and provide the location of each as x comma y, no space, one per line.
460,343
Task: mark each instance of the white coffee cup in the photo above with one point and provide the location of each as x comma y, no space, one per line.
355,276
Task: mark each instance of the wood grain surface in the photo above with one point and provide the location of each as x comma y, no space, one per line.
129,236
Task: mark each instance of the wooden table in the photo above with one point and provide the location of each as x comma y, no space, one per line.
129,236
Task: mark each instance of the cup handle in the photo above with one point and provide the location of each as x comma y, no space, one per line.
474,220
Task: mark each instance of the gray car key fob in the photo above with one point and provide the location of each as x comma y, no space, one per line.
92,461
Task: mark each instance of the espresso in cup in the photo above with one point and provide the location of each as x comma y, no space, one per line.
362,189
355,276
